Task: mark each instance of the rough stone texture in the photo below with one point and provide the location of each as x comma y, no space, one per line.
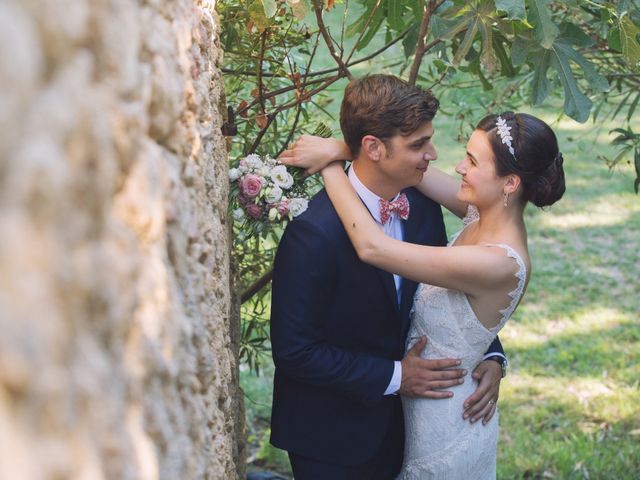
117,347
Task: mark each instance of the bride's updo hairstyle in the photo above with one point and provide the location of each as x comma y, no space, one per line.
535,157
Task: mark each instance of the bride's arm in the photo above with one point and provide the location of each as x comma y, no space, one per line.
443,188
314,153
471,269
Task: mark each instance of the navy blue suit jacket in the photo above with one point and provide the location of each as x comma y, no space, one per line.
336,328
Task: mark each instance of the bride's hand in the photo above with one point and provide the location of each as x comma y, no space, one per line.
482,404
314,153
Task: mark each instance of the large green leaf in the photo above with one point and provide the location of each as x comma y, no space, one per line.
519,51
395,11
372,29
629,32
576,104
515,9
417,7
575,35
624,6
540,84
597,81
467,41
488,58
257,14
356,27
544,30
300,8
410,41
506,67
270,7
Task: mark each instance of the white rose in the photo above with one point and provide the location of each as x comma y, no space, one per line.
281,177
298,206
273,214
238,214
274,194
234,174
263,171
253,161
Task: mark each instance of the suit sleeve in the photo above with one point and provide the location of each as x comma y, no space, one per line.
304,278
496,347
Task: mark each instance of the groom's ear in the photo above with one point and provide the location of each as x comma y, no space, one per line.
372,147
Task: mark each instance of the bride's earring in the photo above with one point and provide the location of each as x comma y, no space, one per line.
505,199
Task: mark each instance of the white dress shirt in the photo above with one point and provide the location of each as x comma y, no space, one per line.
394,229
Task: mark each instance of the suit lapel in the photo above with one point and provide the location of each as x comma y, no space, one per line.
389,286
386,278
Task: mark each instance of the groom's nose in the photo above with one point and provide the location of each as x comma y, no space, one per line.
430,154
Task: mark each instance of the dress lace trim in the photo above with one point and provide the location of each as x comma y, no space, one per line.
521,275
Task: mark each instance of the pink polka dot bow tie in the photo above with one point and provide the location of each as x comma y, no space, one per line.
400,205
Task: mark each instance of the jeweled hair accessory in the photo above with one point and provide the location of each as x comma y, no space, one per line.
504,131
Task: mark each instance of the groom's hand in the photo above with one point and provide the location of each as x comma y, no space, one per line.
428,378
482,404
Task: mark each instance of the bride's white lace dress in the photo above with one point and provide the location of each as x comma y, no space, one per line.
439,443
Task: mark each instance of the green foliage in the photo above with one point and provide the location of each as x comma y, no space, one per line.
630,147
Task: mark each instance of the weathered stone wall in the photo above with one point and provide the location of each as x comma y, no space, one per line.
116,344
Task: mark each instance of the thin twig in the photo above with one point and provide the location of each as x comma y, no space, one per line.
261,133
364,29
306,95
280,91
331,70
342,67
263,42
299,106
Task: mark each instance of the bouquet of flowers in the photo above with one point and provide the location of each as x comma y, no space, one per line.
264,193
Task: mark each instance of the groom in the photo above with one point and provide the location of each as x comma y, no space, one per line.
339,326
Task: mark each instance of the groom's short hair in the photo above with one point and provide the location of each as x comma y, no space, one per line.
383,106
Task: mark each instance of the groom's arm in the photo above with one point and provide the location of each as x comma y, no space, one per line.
303,282
495,350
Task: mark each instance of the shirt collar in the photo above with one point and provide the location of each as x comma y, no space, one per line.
370,199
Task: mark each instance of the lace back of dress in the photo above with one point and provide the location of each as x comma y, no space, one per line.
521,275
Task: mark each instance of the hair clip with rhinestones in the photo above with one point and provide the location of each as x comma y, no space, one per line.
504,131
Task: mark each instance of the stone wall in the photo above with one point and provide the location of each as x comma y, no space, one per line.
117,350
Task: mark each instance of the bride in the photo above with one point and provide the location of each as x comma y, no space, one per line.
470,288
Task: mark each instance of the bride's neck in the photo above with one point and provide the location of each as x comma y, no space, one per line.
498,220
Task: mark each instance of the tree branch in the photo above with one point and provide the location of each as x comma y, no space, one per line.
421,48
263,42
257,286
342,67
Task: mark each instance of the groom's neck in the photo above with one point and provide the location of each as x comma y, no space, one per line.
375,180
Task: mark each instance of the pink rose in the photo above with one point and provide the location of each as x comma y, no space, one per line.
250,185
253,210
283,207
